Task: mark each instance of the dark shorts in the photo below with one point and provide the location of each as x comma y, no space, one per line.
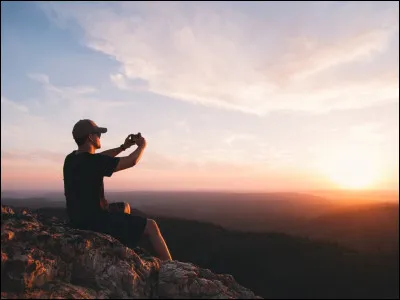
128,229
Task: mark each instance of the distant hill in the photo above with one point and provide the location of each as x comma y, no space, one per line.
365,226
372,228
32,202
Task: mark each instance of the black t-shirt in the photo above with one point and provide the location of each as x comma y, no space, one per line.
83,184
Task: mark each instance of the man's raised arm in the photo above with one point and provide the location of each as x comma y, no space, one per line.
112,152
133,158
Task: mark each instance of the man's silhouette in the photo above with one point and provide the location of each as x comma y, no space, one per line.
84,189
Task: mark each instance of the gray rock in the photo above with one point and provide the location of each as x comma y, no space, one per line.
43,258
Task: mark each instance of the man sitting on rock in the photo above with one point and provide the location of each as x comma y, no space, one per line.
84,189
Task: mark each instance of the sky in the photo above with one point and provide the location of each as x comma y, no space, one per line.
233,96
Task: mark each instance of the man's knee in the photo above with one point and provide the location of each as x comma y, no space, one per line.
127,208
151,228
119,207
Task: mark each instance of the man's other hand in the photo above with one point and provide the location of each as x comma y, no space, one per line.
128,142
141,142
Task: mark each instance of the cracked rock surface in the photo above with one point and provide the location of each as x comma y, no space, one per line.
42,257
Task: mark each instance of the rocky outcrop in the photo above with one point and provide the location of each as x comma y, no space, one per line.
41,257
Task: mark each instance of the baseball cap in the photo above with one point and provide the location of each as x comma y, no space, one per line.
85,127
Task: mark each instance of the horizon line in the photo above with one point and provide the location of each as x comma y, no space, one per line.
213,191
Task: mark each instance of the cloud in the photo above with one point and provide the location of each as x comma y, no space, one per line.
183,125
41,121
119,81
33,156
17,124
79,100
368,132
67,93
42,78
123,82
232,58
7,104
234,138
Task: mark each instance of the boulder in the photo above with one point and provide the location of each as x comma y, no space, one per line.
41,257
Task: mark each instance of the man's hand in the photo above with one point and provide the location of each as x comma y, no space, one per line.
141,142
133,158
129,142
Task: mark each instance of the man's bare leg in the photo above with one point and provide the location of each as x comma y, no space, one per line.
157,241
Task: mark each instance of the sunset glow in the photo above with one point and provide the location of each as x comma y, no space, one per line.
352,169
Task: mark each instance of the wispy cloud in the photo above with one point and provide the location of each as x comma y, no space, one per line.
119,81
233,59
368,132
123,82
79,100
17,122
239,138
50,115
33,156
42,78
7,104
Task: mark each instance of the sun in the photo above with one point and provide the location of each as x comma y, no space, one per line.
352,169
